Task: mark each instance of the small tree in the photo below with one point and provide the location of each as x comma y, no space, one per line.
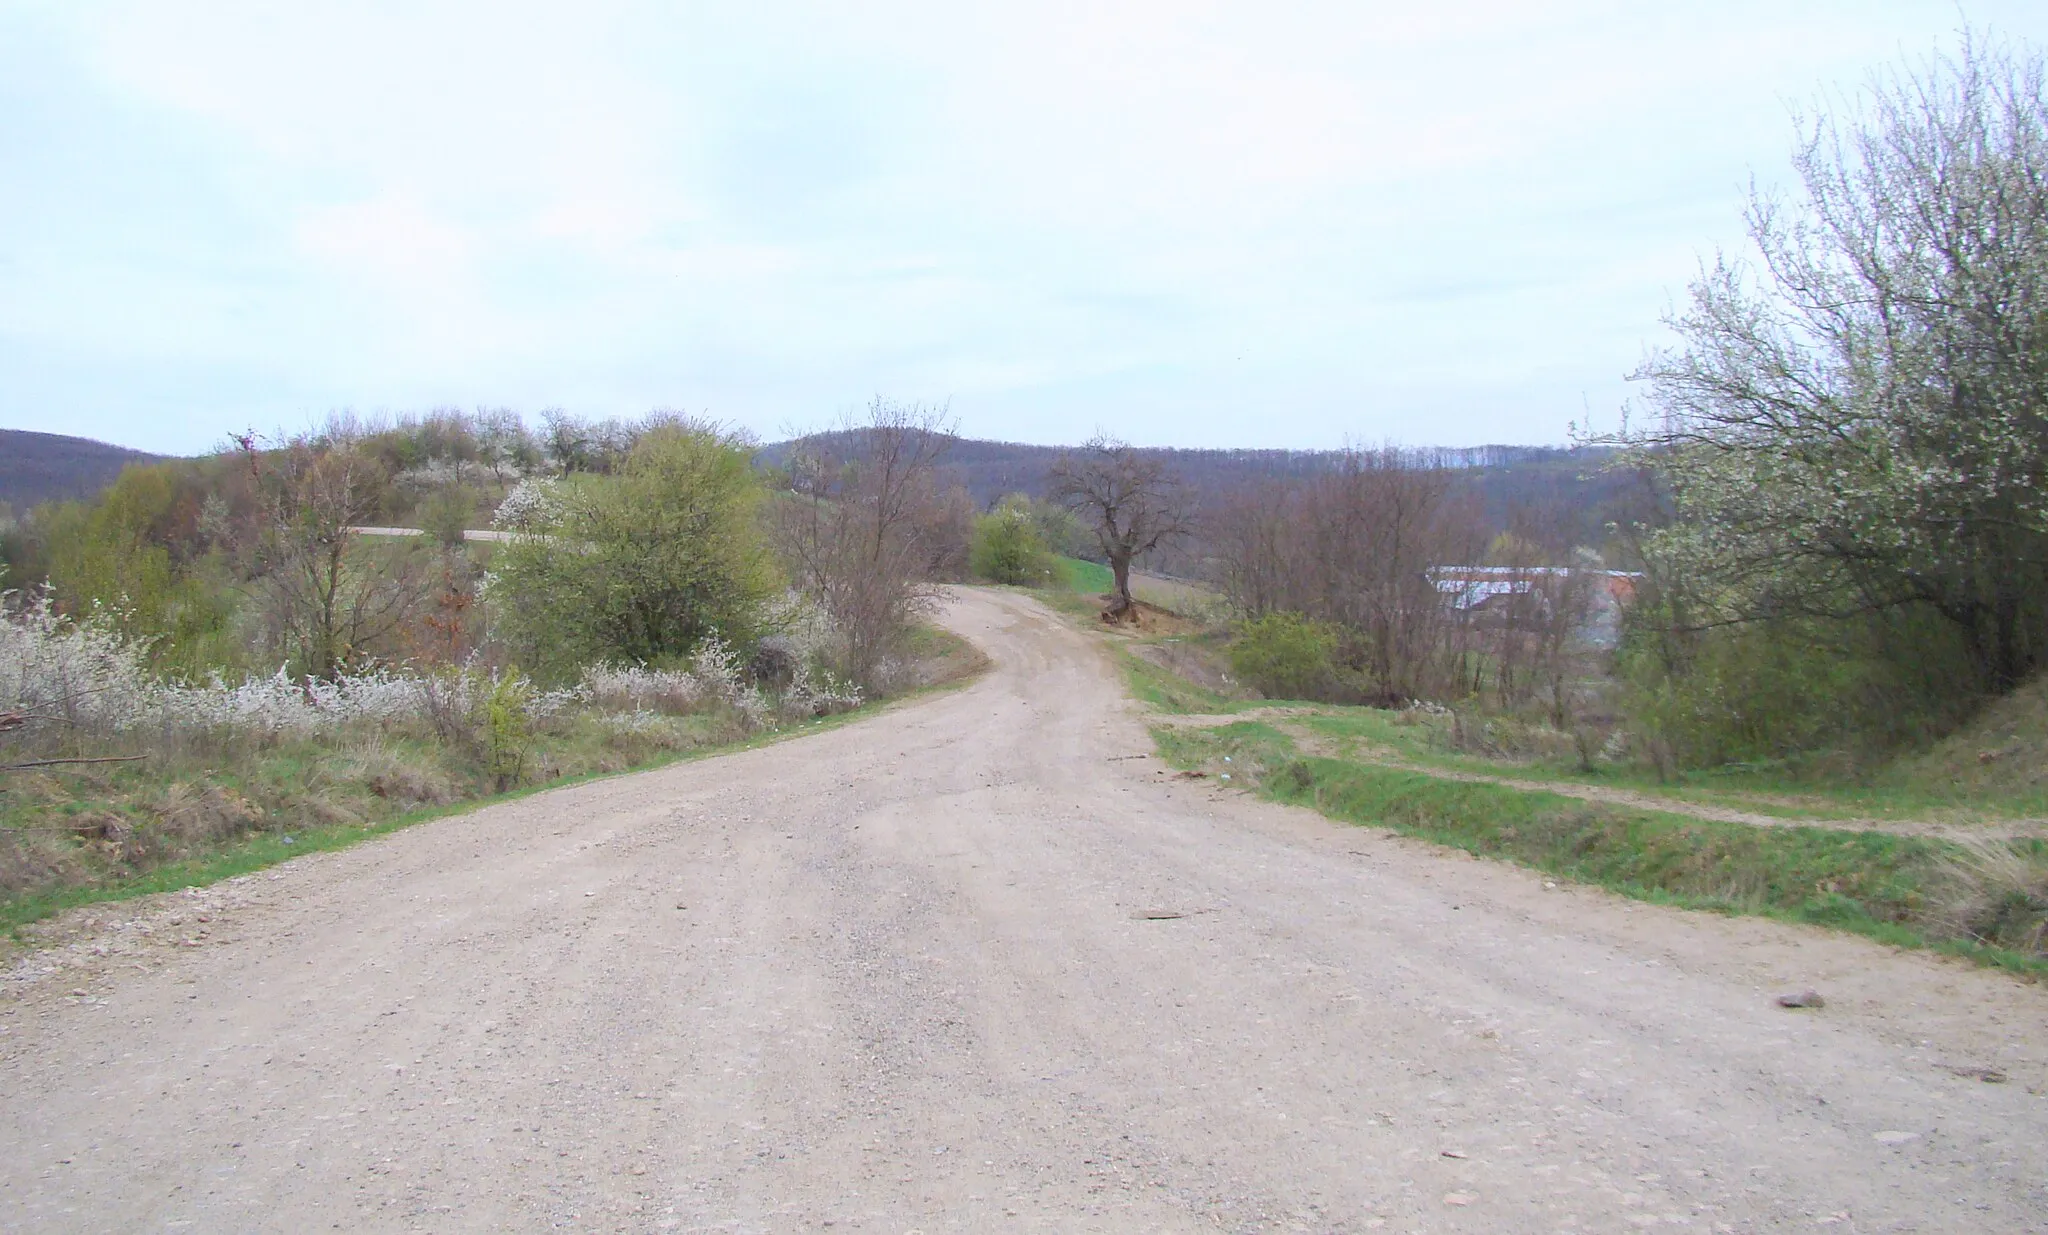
111,552
1008,546
1559,629
446,514
1856,426
1284,656
1133,503
640,566
329,607
857,526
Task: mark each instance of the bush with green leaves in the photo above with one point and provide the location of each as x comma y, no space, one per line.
114,555
640,566
1825,693
446,513
1284,656
1008,547
508,729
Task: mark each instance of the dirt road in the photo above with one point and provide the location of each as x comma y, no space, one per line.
914,974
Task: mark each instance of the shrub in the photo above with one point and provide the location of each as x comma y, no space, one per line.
84,678
1283,655
1997,894
639,567
508,729
55,672
1788,689
1009,548
445,514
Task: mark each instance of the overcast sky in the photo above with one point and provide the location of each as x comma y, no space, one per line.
1248,224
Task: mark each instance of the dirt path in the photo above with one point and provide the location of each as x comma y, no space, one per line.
1280,718
917,974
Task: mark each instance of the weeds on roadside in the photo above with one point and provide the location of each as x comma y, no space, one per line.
1996,893
112,771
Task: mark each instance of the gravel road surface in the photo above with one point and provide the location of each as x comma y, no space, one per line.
922,973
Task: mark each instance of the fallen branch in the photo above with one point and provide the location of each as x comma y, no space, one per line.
47,763
20,720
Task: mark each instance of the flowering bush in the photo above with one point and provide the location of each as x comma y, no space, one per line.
86,677
83,675
815,692
533,504
636,687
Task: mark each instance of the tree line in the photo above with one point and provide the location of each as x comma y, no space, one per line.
627,541
1824,528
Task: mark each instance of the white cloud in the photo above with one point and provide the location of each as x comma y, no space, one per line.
1443,222
391,241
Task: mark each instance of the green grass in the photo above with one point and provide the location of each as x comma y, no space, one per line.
1078,575
1759,790
1425,740
1072,604
1995,768
1172,693
1876,884
1254,743
1908,891
1191,600
250,853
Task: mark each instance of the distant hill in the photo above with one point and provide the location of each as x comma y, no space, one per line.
989,470
1500,478
48,467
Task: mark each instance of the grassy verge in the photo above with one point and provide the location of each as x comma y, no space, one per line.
1089,578
1895,889
104,834
1169,691
1987,903
1148,680
1778,792
1997,769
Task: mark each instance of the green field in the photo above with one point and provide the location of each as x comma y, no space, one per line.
1077,575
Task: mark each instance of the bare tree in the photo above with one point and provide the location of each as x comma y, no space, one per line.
328,606
1250,537
1131,500
1355,547
1569,596
860,525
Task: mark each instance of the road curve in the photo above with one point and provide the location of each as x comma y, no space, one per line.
915,974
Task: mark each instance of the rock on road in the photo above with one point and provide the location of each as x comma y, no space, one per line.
914,973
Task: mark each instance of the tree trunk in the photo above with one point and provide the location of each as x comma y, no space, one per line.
1121,606
2012,664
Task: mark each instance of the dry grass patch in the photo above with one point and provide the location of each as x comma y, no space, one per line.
1997,894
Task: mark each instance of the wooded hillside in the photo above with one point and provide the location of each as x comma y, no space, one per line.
50,467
